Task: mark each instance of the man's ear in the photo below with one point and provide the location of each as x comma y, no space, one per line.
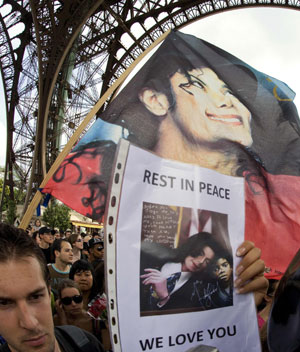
155,102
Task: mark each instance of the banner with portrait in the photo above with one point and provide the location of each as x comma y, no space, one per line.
195,103
172,284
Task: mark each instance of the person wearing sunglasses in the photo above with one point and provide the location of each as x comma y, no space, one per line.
76,241
91,285
96,251
70,311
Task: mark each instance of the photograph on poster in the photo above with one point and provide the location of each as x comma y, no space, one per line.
184,268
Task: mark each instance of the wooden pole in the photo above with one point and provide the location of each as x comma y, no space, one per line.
38,196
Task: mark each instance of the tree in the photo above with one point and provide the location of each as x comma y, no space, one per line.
19,195
57,215
6,194
11,212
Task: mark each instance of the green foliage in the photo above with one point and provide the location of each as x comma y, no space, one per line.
19,195
6,195
11,212
57,215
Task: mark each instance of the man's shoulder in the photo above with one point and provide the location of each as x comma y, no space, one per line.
72,338
56,272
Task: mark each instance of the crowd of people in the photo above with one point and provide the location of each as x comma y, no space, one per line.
58,300
75,263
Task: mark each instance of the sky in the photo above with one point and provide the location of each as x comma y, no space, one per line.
265,38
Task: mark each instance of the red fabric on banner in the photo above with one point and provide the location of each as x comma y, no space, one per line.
76,194
273,222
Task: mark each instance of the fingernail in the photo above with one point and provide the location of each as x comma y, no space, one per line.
237,282
240,251
239,270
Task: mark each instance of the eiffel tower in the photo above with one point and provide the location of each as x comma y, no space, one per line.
58,57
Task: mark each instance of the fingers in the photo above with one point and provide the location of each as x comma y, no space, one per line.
153,280
153,276
244,248
258,284
250,271
151,272
251,255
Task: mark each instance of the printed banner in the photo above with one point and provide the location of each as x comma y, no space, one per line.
174,283
195,103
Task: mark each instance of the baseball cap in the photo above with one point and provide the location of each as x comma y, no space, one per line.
94,241
44,230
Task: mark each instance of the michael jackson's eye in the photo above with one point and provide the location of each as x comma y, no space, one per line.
197,84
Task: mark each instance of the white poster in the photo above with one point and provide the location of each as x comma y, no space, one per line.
177,228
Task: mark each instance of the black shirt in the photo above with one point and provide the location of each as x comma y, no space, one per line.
47,254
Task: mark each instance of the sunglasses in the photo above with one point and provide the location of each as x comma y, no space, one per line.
68,300
80,240
99,248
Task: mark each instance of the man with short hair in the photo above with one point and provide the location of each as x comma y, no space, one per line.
25,306
68,233
96,251
59,270
47,239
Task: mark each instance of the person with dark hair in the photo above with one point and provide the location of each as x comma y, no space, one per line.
223,271
96,251
94,298
59,270
56,234
171,284
175,272
47,239
82,272
36,237
62,233
217,290
25,303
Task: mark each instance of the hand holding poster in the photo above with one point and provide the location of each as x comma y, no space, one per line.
174,230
